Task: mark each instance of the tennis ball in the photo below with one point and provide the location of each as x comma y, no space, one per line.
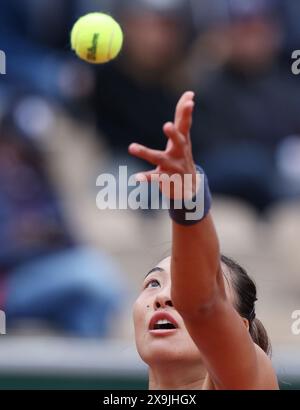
96,38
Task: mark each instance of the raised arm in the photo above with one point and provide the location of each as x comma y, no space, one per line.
198,288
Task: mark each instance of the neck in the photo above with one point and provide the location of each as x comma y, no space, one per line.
176,376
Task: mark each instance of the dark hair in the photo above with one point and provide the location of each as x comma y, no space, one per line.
245,291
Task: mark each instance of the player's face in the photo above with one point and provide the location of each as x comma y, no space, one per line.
160,333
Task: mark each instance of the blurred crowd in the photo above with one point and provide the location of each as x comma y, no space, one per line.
236,56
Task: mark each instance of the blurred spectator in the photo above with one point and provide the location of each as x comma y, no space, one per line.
248,110
289,12
45,275
35,34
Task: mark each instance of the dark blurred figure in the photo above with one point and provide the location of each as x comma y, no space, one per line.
45,275
136,93
249,111
35,35
289,14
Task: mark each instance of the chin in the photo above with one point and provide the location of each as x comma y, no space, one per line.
164,351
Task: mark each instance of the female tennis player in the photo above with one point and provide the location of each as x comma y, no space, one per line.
195,324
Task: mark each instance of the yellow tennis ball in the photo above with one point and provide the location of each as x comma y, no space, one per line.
96,38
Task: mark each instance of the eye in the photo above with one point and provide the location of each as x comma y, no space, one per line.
153,283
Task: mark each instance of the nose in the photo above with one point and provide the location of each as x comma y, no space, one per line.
162,300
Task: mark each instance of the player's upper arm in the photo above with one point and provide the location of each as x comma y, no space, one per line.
228,351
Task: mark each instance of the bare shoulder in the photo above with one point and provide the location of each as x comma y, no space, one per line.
267,375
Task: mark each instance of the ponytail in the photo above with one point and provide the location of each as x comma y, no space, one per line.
259,336
245,290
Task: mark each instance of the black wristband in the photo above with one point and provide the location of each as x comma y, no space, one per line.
192,211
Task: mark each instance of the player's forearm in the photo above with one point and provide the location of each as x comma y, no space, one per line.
195,266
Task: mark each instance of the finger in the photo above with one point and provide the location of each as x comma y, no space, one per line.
172,133
153,156
187,96
186,120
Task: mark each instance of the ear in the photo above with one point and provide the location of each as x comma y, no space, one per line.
246,323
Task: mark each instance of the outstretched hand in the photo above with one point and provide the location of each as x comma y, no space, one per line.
177,158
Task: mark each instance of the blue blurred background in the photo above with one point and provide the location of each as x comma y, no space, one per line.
69,273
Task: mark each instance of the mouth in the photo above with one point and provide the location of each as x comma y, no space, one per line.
162,323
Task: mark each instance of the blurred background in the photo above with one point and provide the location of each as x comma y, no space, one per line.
70,273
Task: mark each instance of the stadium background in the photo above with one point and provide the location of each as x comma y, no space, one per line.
63,122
